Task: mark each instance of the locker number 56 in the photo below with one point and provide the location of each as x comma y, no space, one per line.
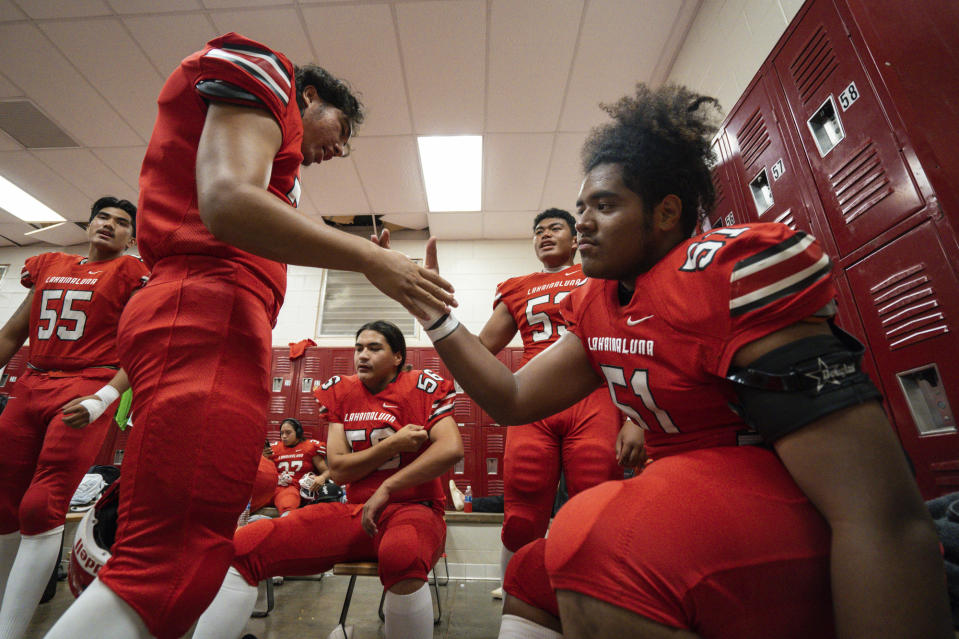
849,95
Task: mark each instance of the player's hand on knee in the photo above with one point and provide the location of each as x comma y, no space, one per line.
75,415
631,446
372,508
409,438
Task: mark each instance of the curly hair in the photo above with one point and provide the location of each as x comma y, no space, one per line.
332,90
661,139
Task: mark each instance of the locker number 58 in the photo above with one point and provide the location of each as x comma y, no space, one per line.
849,95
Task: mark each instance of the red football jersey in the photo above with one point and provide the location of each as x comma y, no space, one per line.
414,397
230,69
76,308
665,354
533,301
299,459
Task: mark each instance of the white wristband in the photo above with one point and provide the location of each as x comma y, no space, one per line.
104,397
442,327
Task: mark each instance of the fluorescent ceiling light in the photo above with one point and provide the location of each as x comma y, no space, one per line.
18,202
452,168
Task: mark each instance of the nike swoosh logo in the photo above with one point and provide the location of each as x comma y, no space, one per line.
94,272
631,322
385,405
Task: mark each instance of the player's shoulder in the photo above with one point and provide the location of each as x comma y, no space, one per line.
236,69
422,382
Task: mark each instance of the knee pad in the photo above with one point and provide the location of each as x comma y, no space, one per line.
245,542
527,580
402,556
522,525
39,511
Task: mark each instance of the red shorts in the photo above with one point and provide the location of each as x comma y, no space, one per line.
581,438
43,458
197,350
719,541
409,541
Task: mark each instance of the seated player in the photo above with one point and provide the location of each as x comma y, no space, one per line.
391,438
718,537
296,457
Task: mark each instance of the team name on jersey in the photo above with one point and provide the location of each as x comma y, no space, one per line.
369,416
624,345
58,279
560,284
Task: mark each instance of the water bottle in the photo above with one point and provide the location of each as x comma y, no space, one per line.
244,516
468,499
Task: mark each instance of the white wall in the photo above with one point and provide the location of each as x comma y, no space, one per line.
727,42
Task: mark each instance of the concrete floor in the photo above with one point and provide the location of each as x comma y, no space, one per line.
312,608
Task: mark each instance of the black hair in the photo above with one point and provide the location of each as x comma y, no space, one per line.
566,216
297,426
661,140
391,333
124,205
332,90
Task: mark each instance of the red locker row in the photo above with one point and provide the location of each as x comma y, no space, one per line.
839,135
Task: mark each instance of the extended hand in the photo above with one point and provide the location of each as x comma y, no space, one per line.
408,439
372,508
420,290
631,446
75,415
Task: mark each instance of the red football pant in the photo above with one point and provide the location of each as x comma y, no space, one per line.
197,350
408,543
581,439
263,485
44,459
719,541
286,498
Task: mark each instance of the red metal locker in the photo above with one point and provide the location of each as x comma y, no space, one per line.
282,403
465,471
14,369
728,208
862,178
494,446
311,370
909,308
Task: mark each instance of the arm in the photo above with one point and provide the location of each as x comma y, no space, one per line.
887,571
81,411
14,333
322,472
234,163
499,329
631,445
446,448
346,466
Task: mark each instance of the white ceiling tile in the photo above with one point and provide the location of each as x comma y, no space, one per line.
124,161
502,225
168,39
444,52
514,170
14,229
104,53
389,171
368,58
62,234
334,188
229,4
408,220
152,6
620,44
86,172
41,182
565,173
456,226
9,144
525,93
46,9
46,77
7,89
9,11
280,29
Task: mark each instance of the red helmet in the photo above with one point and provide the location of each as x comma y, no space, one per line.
94,538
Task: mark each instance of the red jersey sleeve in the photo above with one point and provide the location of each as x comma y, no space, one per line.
326,396
442,402
320,447
31,269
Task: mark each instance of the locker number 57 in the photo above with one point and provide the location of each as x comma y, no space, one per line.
849,95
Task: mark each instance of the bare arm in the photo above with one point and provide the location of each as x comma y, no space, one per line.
347,466
322,471
234,163
14,333
499,329
887,571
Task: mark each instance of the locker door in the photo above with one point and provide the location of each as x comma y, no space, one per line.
764,165
859,172
311,371
464,472
282,402
909,308
728,208
341,362
494,446
14,369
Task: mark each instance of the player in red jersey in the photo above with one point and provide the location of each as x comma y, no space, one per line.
218,187
391,437
716,538
70,316
584,440
295,457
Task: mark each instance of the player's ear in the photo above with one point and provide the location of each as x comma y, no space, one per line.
131,243
668,212
309,94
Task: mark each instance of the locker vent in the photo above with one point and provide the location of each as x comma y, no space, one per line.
908,307
278,404
495,442
753,138
813,65
860,183
787,218
718,185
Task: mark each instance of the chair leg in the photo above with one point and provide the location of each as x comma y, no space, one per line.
270,601
446,565
346,603
380,610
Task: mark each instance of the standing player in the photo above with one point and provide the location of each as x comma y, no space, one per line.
717,537
391,437
295,456
70,316
218,188
582,440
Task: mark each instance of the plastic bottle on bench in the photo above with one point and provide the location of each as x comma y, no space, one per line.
468,499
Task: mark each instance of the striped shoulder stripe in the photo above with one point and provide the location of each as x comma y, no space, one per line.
218,89
262,65
779,271
442,410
